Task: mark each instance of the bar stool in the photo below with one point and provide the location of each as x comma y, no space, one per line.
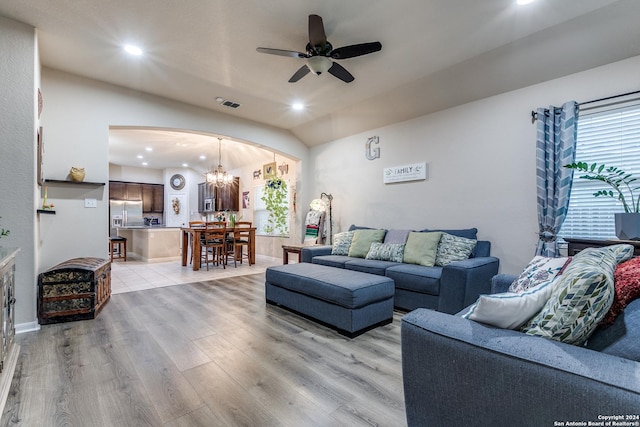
120,242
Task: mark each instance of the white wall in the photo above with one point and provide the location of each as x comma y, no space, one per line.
18,126
481,161
76,134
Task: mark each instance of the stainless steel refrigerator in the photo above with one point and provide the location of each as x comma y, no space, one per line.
124,214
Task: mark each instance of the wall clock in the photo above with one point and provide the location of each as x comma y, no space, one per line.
177,182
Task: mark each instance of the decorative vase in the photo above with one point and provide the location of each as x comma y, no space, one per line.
627,225
76,174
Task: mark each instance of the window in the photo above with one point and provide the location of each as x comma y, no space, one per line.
611,136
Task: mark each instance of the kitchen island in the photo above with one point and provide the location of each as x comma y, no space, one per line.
155,243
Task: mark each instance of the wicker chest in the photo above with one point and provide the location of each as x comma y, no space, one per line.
76,289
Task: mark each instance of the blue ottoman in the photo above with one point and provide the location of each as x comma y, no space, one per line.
350,301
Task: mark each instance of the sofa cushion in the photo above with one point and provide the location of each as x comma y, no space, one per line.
396,236
539,270
626,288
581,297
369,265
362,240
453,248
620,339
416,278
386,252
469,233
421,248
341,243
509,310
331,260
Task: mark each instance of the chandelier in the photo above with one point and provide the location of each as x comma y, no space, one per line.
219,176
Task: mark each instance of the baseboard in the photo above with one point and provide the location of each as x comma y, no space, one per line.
21,328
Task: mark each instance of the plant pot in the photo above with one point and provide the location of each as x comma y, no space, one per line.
627,226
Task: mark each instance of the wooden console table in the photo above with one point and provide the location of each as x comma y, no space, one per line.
576,245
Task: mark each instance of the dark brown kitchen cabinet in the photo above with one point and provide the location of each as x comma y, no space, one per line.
228,197
153,198
134,191
117,190
158,198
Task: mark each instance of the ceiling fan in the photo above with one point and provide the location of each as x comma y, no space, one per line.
319,53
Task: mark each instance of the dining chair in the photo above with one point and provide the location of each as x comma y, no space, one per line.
240,237
214,245
193,224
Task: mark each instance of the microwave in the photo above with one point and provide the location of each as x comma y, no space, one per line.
208,205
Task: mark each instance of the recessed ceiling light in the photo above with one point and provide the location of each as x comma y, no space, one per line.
144,163
140,156
132,50
298,106
184,165
203,157
149,149
523,2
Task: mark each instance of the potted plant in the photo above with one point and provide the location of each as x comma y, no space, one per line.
623,185
274,197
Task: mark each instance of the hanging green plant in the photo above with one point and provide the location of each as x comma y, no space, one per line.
3,232
274,197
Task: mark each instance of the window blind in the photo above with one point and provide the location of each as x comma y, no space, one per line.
610,136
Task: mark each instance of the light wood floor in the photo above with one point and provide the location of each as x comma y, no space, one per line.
205,354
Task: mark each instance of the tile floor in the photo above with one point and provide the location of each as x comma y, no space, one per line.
133,276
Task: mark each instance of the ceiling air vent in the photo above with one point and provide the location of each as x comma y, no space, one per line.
228,103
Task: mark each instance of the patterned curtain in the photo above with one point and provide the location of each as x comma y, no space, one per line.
556,147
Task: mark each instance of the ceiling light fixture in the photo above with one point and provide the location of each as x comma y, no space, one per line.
523,2
298,106
133,50
319,64
219,176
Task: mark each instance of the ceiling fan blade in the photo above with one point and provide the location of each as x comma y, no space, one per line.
355,50
302,71
317,37
340,72
281,52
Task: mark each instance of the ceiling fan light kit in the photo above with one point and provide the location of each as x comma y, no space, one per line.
320,54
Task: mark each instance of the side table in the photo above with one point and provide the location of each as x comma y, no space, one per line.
294,249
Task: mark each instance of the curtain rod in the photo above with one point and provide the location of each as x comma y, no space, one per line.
534,115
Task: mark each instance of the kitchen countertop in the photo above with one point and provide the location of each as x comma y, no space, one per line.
148,227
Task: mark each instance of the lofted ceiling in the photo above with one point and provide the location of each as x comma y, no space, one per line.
435,53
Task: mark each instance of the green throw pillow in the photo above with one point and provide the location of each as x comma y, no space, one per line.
362,240
421,248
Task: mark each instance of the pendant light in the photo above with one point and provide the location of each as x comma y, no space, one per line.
219,176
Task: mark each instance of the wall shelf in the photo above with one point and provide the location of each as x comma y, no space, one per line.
62,181
46,211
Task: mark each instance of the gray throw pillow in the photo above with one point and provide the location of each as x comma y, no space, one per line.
341,243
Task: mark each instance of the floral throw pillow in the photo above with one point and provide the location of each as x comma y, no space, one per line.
342,243
386,252
540,269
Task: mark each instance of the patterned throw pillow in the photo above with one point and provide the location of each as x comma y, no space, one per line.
386,252
540,269
626,288
453,248
341,243
581,297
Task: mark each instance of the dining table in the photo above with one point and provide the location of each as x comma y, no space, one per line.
195,232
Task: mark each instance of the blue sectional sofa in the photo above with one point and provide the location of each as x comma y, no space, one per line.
447,289
460,372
